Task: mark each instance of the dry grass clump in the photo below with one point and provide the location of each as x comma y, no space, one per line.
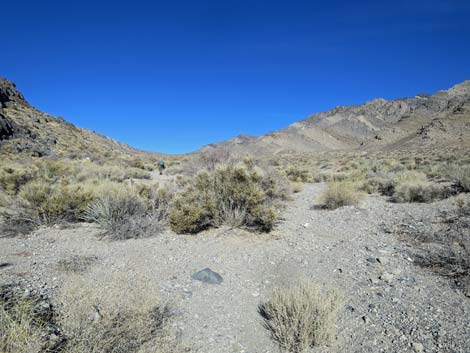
130,213
119,315
26,321
18,331
414,187
235,195
14,176
301,316
460,175
116,315
339,194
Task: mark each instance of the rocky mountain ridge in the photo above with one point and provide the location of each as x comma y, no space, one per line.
409,122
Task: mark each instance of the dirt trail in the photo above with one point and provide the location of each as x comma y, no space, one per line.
390,304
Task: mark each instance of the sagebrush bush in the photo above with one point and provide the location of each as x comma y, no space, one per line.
302,316
50,203
298,174
339,194
239,194
460,174
414,187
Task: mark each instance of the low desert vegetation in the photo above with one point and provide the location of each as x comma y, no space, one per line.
47,192
120,315
339,194
126,214
117,316
415,187
234,195
21,326
460,175
443,247
301,316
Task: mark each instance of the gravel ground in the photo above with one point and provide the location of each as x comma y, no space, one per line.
391,305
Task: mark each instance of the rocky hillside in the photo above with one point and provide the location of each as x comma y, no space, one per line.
425,120
27,131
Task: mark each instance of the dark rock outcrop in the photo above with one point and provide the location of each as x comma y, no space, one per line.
7,128
9,94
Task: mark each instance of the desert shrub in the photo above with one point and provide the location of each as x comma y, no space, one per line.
17,330
26,319
297,187
125,214
414,187
13,177
460,175
298,174
301,316
49,203
122,316
379,183
339,194
239,194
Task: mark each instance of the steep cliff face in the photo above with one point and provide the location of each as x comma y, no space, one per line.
425,119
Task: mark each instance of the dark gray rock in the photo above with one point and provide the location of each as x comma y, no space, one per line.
7,128
207,276
9,93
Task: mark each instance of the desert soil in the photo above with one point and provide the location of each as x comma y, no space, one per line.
390,304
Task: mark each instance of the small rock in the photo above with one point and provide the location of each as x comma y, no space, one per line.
187,293
207,276
372,260
418,347
387,277
306,225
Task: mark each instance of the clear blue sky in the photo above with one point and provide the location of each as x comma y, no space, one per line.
171,76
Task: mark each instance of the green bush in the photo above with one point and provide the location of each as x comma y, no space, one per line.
235,195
